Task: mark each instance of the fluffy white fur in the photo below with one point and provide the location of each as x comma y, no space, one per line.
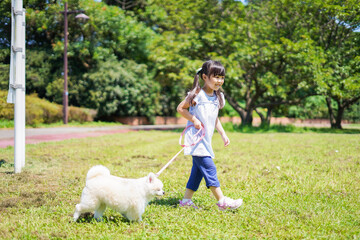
127,196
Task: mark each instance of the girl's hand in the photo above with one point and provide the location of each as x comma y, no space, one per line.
197,123
226,140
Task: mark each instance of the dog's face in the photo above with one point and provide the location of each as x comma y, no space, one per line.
156,186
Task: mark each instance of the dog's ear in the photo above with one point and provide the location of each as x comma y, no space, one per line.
151,177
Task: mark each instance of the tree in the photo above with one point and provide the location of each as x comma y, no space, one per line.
341,83
274,62
332,26
121,88
190,32
127,4
5,41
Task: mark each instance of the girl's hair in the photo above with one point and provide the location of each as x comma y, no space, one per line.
209,68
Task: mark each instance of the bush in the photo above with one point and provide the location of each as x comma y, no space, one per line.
6,109
42,111
81,115
122,88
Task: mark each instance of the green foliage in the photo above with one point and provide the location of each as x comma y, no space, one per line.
4,123
122,88
353,113
39,64
331,24
39,111
5,26
276,53
188,36
4,76
311,108
228,111
6,109
109,35
81,115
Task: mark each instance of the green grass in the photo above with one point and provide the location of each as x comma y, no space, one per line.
348,129
294,186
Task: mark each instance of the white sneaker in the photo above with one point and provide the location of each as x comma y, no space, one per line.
189,203
229,204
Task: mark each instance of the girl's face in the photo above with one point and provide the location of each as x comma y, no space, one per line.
213,82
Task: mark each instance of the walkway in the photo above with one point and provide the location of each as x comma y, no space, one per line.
37,135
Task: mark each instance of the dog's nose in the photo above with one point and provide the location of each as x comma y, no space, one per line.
163,192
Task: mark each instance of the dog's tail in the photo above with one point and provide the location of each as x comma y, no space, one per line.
98,170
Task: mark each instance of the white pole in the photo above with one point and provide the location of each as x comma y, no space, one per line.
17,81
23,82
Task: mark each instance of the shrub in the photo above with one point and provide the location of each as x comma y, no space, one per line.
6,109
39,111
122,88
81,114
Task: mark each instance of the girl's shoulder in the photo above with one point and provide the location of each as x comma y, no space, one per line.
201,97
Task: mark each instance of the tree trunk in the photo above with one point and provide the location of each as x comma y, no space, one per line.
237,108
248,118
339,117
331,112
245,115
262,117
265,121
335,121
268,116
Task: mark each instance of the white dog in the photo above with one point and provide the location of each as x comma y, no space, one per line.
127,196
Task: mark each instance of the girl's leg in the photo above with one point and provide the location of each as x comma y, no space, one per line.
208,170
188,193
217,192
194,179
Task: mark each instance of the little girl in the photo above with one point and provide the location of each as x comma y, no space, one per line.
204,104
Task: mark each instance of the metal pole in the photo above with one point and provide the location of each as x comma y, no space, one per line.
18,52
65,94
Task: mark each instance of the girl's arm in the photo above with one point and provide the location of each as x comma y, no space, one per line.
183,110
221,130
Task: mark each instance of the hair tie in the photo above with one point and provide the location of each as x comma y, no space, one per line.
198,71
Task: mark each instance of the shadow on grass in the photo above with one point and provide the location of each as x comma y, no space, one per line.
89,218
172,202
4,163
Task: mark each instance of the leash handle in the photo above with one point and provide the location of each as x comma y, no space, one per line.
202,129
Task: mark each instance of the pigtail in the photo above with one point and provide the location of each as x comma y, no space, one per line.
194,91
220,98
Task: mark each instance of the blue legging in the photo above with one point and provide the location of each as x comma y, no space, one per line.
203,167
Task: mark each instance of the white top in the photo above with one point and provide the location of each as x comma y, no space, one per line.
206,110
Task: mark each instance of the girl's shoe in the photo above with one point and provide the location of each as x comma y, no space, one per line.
229,204
188,203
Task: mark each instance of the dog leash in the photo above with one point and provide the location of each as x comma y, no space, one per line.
183,146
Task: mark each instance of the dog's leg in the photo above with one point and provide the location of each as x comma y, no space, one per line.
99,212
135,211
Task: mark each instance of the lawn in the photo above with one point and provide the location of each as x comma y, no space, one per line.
294,186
